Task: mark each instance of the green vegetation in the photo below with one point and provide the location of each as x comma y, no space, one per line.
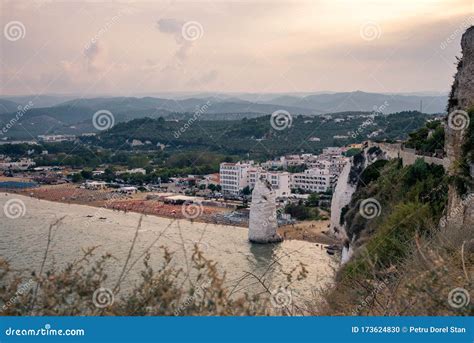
372,172
305,210
428,139
252,138
411,200
352,152
403,260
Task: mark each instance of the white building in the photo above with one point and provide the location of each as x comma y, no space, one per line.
56,138
321,175
132,171
233,176
275,164
95,185
280,181
334,150
312,180
128,190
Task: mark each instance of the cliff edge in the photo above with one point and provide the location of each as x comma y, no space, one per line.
460,210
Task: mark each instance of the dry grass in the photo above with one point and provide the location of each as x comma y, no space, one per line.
77,289
71,291
418,285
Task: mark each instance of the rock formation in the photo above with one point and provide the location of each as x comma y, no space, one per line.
460,212
347,185
263,220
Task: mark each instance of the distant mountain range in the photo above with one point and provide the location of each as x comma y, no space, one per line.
65,114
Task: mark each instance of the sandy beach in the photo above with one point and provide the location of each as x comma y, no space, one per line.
71,194
311,231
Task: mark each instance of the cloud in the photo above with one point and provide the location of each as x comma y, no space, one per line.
173,27
95,56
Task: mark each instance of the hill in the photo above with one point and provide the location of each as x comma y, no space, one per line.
257,137
7,106
362,101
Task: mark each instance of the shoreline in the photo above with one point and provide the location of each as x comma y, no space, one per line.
308,231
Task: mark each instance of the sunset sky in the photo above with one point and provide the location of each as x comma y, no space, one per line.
138,47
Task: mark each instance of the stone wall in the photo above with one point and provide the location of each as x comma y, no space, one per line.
408,156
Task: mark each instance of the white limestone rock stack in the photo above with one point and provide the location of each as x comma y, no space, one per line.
263,219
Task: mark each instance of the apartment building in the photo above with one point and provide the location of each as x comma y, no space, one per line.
280,181
321,175
313,180
233,176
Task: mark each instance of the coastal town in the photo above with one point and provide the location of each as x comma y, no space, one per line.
241,159
303,185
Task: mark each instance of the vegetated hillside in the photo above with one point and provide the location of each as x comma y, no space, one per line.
213,105
404,262
64,120
428,139
257,137
39,100
75,116
7,106
363,101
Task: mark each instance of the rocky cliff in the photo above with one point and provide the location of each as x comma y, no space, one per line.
460,209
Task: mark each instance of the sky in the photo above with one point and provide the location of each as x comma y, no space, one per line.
129,48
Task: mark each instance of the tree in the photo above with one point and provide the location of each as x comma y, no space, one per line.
76,177
149,169
298,211
351,152
313,200
87,173
139,161
246,191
